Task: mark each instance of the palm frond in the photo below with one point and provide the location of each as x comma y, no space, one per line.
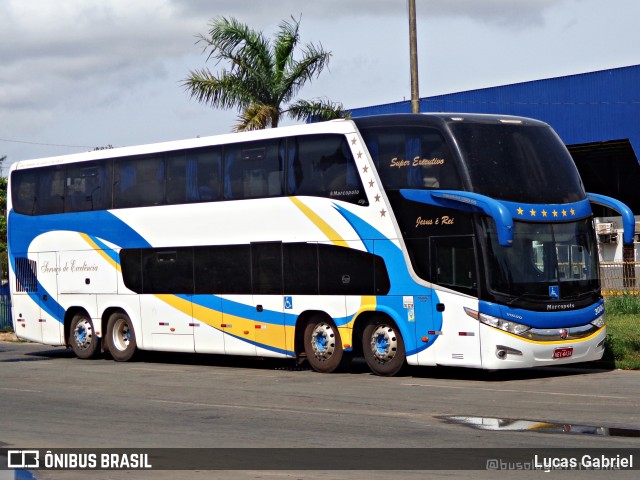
247,50
286,41
256,117
224,91
316,110
314,60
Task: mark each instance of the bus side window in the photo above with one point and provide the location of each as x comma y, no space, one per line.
139,182
194,176
50,193
322,165
222,269
253,170
24,185
88,187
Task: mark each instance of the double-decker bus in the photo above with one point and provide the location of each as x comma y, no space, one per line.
429,239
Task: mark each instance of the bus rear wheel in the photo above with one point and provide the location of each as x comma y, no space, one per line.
121,339
82,337
322,345
383,348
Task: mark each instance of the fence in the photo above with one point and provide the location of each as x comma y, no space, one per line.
5,307
618,278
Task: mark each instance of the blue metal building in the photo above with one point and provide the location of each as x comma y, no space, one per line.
597,115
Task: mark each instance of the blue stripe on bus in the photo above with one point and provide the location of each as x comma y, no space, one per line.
103,224
401,283
25,229
249,312
110,252
546,319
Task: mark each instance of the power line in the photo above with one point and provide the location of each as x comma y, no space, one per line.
45,144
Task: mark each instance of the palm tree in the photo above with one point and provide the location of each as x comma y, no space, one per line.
263,77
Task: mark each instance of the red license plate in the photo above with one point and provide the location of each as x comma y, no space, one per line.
563,352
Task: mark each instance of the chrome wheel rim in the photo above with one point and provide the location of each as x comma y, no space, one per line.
121,334
323,341
83,334
384,343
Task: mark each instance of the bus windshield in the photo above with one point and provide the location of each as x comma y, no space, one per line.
522,163
547,261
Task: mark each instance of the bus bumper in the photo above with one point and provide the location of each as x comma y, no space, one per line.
501,350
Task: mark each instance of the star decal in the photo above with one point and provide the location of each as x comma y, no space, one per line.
383,212
555,212
533,212
371,183
359,154
354,140
377,197
573,212
564,213
544,213
520,211
365,169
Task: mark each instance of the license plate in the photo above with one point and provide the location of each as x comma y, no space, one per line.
563,352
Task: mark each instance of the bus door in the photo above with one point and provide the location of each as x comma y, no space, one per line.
453,266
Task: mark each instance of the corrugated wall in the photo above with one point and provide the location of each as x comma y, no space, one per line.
589,107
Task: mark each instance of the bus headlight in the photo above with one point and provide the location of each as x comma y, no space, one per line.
598,322
502,324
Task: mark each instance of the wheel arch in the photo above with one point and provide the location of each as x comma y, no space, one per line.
105,320
301,323
68,316
364,318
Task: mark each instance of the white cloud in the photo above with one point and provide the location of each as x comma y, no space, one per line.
96,71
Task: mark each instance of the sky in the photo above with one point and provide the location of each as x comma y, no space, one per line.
81,74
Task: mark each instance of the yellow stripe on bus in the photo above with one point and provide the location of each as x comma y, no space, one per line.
324,227
99,250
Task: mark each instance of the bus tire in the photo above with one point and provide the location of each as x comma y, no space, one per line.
82,337
322,345
121,338
383,347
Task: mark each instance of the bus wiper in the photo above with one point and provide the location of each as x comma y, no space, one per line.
534,296
581,295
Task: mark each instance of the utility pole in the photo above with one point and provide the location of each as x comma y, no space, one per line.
413,54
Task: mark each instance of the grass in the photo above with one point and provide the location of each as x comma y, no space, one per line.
623,332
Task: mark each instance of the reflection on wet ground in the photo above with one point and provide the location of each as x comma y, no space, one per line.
515,425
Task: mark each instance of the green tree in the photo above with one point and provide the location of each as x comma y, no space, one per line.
263,77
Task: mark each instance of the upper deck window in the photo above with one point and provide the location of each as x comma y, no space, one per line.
411,157
323,166
523,163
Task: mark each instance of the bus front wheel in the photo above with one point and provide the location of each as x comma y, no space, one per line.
383,348
121,339
83,338
322,345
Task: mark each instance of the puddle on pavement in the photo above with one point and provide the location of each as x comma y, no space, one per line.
512,425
